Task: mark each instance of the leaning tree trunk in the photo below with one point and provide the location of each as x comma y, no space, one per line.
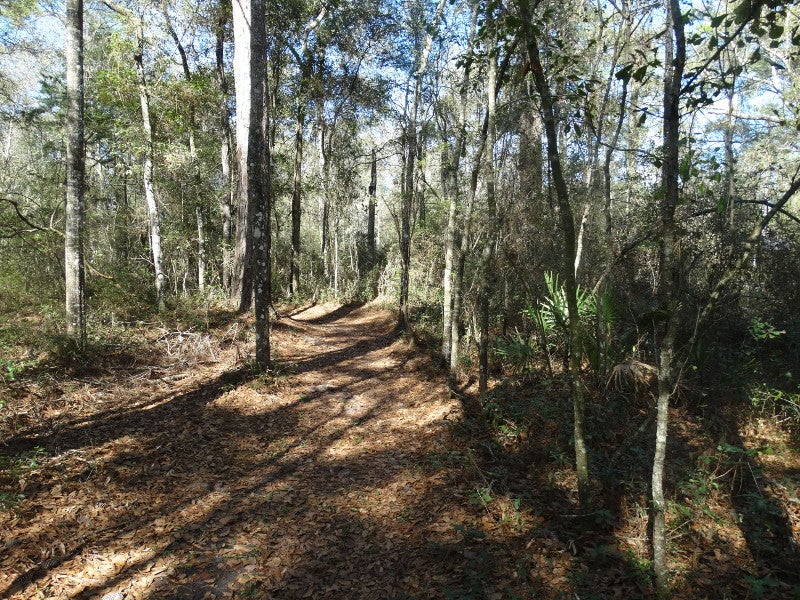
74,219
253,236
547,108
153,217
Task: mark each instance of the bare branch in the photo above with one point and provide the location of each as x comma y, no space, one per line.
27,221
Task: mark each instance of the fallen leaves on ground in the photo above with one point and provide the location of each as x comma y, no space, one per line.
345,472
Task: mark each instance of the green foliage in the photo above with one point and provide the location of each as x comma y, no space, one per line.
10,370
762,330
516,352
761,585
768,400
481,496
553,312
603,518
550,321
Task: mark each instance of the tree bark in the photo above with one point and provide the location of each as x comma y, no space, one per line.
674,62
153,216
410,140
373,189
451,189
407,195
201,249
248,107
325,174
187,75
228,195
547,109
530,151
74,217
253,234
297,182
489,250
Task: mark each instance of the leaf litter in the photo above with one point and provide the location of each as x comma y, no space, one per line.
197,477
349,471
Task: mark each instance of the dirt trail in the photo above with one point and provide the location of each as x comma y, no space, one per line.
330,479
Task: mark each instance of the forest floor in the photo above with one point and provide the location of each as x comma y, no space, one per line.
173,469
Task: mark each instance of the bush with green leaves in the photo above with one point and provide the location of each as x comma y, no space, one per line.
549,321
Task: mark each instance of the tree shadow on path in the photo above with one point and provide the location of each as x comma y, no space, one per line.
246,484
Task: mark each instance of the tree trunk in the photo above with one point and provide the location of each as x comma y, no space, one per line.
373,188
74,218
463,248
530,152
325,173
245,82
451,189
153,217
201,250
294,263
336,262
730,158
487,278
547,108
228,195
451,239
187,75
253,234
407,197
411,139
674,61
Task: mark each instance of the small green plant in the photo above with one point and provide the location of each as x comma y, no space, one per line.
762,330
551,318
560,458
604,518
492,412
641,566
481,496
250,589
515,517
698,488
18,466
516,352
760,585
10,500
10,370
509,431
771,400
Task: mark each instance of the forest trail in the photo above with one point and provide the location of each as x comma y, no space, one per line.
169,468
199,478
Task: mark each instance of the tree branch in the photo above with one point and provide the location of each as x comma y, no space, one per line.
27,221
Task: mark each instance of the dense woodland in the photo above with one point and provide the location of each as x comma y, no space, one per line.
589,201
